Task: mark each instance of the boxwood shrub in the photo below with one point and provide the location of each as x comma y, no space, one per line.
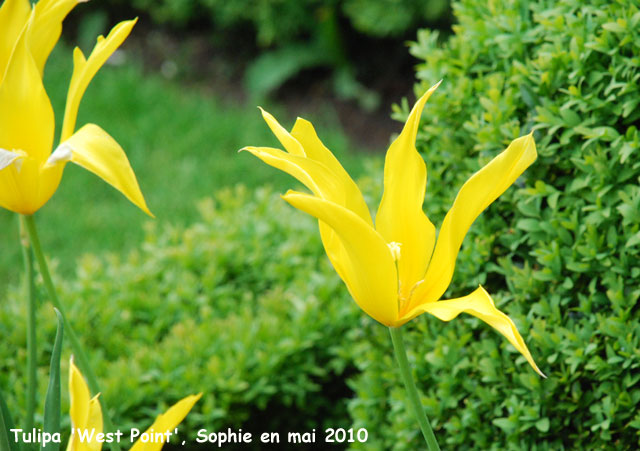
559,252
241,306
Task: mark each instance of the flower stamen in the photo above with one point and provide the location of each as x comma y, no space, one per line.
394,247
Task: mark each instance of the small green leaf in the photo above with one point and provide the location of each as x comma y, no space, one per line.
505,424
614,27
528,96
633,240
543,424
570,117
52,403
529,225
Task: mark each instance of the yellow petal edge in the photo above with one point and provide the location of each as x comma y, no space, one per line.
480,305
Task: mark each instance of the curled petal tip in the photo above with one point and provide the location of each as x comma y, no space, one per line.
431,90
252,149
130,21
265,114
289,193
537,370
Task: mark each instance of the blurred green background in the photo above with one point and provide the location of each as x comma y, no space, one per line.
228,291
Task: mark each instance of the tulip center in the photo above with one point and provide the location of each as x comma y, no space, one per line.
394,247
396,252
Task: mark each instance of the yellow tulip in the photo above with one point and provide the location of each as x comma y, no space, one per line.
86,418
396,270
29,171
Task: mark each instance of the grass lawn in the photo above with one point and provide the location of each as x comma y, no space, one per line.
182,143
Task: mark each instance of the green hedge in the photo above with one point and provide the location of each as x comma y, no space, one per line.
559,252
241,306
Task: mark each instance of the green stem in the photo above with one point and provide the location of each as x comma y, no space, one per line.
32,355
79,354
412,391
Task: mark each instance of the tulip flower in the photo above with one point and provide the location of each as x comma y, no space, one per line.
29,171
86,418
396,270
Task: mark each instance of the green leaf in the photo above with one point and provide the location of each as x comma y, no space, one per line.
506,424
633,240
6,442
570,117
614,27
52,402
529,225
542,424
528,96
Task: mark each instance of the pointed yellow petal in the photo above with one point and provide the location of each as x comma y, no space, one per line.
314,149
46,28
400,216
475,195
316,176
305,144
369,269
312,174
84,71
13,18
85,412
305,152
79,397
480,305
93,424
26,116
96,151
288,142
322,182
167,422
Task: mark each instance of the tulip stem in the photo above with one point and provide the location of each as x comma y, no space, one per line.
32,354
79,354
412,390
